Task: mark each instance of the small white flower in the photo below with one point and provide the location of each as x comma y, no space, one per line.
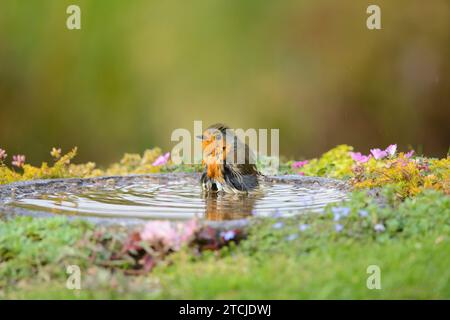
228,235
379,227
303,227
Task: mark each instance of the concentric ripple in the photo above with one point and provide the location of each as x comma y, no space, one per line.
177,199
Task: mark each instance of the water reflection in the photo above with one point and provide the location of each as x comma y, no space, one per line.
175,199
229,206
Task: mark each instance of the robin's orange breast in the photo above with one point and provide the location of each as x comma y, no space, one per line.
214,171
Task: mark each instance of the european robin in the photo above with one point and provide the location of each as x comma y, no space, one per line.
228,162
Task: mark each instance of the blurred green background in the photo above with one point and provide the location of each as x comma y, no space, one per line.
139,69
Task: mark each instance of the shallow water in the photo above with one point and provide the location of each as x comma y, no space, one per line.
176,199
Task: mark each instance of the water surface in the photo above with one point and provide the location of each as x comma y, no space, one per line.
177,199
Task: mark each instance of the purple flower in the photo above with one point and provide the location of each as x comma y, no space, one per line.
302,227
299,164
378,153
379,227
338,227
339,212
3,155
228,235
358,157
336,210
278,225
363,213
345,211
409,154
18,160
161,160
391,150
336,213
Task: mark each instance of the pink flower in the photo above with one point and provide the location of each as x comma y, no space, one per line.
378,153
299,164
161,160
358,157
3,155
18,160
169,235
301,173
409,154
160,232
188,231
391,150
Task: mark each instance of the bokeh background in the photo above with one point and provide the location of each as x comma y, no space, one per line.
139,69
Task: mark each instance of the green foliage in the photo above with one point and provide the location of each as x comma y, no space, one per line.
407,176
64,168
27,245
336,271
133,163
60,169
404,230
276,261
280,261
428,213
7,175
182,168
335,163
361,218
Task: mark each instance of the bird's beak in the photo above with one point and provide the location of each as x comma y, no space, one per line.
201,137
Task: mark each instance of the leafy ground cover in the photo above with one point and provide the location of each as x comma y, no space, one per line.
398,218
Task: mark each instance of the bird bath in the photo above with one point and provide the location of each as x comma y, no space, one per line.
171,196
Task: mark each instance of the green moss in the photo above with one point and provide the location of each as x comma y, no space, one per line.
408,177
28,245
64,168
409,269
335,163
412,253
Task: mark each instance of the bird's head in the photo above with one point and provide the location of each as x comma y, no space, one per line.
214,144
